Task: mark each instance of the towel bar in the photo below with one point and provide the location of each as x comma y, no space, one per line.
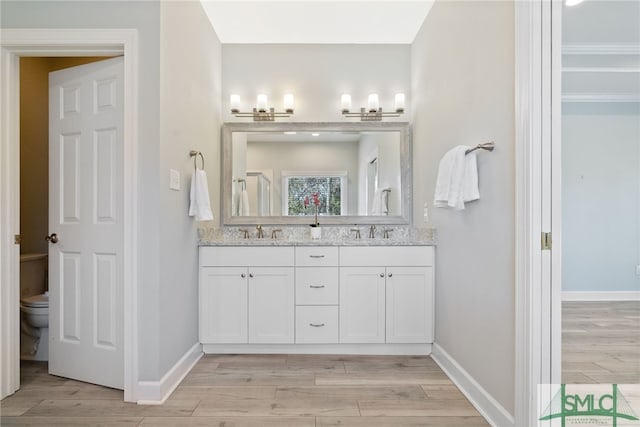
194,154
489,146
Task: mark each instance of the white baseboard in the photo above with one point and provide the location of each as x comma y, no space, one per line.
156,392
490,409
601,296
380,349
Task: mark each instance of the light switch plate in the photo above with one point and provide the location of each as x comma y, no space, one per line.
174,179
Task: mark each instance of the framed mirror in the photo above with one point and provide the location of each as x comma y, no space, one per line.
345,173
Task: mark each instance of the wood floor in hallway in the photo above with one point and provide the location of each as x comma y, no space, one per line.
259,390
601,342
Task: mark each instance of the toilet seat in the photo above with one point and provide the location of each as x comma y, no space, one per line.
36,301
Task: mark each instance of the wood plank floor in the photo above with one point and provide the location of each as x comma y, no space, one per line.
601,342
258,390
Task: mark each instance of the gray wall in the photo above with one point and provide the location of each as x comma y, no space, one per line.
190,86
600,197
463,86
317,75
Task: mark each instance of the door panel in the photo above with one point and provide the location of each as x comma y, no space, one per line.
271,305
86,318
362,304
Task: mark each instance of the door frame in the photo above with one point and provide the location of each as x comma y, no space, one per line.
15,43
538,44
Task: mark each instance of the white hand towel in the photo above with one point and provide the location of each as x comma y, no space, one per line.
457,180
380,202
244,203
200,206
470,180
449,183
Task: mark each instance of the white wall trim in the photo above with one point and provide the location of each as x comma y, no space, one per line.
380,349
64,42
157,392
601,97
601,296
600,49
488,407
528,105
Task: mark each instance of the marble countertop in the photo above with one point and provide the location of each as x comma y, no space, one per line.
331,236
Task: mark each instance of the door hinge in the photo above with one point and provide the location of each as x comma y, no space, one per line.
546,241
17,239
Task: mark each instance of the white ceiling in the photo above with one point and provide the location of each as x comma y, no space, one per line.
317,21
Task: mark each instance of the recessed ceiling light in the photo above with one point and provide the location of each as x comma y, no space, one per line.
290,133
573,2
315,134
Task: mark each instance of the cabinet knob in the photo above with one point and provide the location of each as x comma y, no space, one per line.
381,274
251,275
243,275
316,325
390,275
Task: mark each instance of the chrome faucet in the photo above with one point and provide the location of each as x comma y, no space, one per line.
274,233
372,231
245,233
386,232
357,230
260,232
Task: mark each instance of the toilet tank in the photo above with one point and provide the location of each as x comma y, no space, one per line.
33,274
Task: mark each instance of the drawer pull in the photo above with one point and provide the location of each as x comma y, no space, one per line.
316,325
316,256
316,286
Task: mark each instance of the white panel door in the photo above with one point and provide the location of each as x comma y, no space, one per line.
223,305
271,305
409,305
86,325
362,304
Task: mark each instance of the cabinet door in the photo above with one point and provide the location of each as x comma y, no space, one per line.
409,305
271,305
223,305
362,304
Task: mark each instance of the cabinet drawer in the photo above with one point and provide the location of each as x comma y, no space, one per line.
316,285
316,256
236,256
390,256
317,325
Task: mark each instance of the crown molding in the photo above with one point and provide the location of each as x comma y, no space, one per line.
601,49
601,97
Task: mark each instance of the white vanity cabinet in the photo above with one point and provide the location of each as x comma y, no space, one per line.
386,294
247,295
317,299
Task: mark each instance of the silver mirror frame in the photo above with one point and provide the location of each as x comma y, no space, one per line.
405,164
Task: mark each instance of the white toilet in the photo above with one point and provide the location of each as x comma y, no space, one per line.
34,307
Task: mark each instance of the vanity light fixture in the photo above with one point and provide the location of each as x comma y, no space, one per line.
373,111
262,112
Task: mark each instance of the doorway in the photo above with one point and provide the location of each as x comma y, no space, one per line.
601,193
17,43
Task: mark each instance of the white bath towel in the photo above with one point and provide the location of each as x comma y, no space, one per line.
200,206
457,180
380,202
244,203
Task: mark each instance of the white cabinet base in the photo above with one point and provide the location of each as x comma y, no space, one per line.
379,349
